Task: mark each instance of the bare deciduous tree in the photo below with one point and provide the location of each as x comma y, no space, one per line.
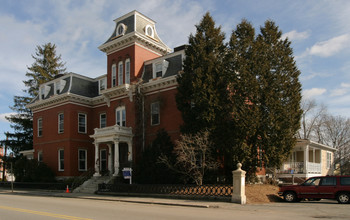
312,118
193,156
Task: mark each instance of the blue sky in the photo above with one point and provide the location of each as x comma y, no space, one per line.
319,31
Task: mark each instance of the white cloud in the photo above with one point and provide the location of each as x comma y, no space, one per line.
3,115
295,35
309,93
331,46
342,90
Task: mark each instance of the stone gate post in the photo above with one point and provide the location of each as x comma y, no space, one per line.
238,195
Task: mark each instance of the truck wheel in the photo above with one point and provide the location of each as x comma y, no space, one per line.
290,197
343,198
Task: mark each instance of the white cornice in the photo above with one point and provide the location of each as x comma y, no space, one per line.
132,38
106,96
159,83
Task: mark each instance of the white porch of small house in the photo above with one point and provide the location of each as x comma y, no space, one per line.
116,138
305,161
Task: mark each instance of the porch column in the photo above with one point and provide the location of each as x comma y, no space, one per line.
116,158
110,167
97,162
306,158
130,151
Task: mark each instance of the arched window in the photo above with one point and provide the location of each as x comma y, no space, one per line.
127,71
120,116
120,73
114,75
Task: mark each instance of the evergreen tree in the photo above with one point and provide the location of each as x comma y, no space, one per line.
279,95
46,66
243,85
200,88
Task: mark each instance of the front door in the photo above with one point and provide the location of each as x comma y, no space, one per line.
103,161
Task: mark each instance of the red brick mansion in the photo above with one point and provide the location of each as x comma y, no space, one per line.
81,123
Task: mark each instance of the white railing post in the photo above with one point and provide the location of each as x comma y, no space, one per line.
238,195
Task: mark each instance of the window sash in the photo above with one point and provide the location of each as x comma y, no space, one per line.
121,116
60,123
82,123
40,127
103,121
102,84
127,71
120,73
155,116
82,158
114,75
61,160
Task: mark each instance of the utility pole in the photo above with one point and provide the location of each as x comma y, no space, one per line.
4,157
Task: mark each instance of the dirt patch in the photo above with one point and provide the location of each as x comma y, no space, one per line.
262,193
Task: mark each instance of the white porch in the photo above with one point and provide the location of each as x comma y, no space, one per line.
305,161
113,137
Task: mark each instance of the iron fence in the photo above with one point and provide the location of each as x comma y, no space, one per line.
178,190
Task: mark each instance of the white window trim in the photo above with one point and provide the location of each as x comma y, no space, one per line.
120,73
40,128
127,71
85,151
105,120
164,64
123,32
152,104
146,31
114,75
119,111
60,131
85,123
59,160
60,84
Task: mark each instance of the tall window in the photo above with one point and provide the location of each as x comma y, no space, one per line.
155,116
329,160
120,73
103,121
82,123
40,156
61,160
82,157
103,160
60,123
40,127
114,75
127,71
120,116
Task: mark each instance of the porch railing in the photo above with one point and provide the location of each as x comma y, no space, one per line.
299,167
113,130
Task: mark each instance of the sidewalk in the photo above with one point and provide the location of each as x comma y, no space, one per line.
142,200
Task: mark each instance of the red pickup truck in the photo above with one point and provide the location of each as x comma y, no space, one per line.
317,188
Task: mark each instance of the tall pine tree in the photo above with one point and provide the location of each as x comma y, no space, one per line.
200,88
243,87
46,66
279,95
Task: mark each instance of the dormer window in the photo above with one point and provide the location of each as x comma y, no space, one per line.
102,85
44,91
59,86
160,68
121,28
149,31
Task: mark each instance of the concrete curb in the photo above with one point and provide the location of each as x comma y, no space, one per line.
138,200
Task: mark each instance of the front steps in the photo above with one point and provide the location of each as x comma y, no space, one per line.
91,186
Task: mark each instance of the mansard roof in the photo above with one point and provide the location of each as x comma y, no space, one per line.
131,28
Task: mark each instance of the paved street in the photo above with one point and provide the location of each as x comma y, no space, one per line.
29,206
